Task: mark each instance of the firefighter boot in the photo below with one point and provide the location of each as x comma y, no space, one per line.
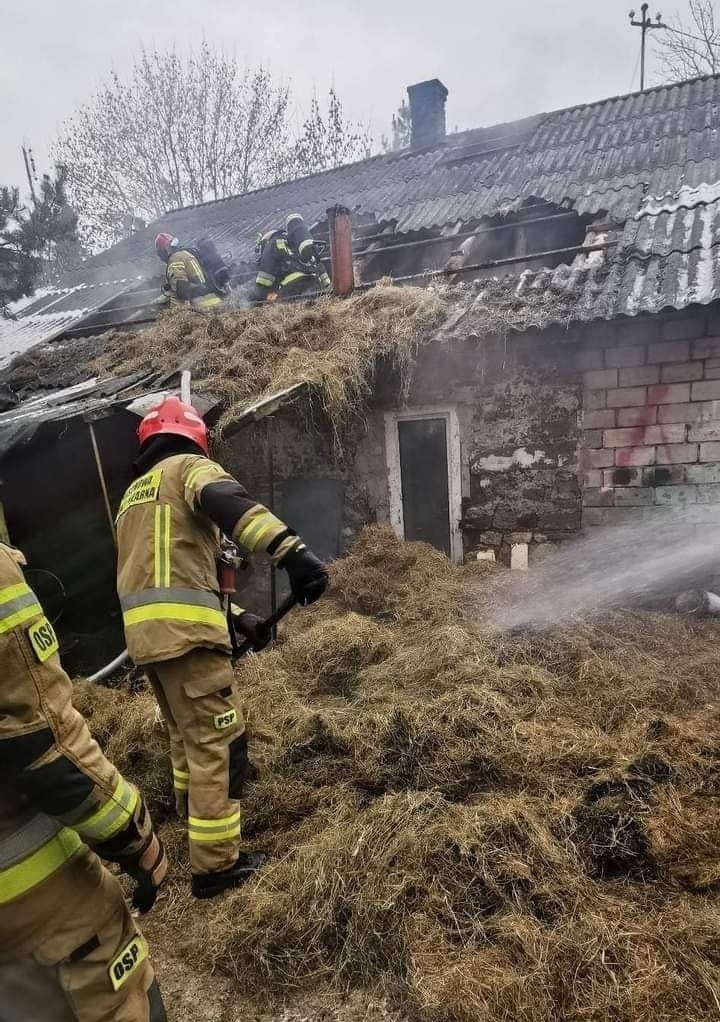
209,885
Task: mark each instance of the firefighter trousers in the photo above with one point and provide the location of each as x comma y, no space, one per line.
197,694
70,952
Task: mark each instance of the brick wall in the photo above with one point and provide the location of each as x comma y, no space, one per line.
651,421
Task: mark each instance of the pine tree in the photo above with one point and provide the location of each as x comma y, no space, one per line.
52,225
400,137
18,266
37,240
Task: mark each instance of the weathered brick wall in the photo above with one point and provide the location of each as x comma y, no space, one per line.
651,419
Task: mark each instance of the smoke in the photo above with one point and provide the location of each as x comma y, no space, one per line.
615,567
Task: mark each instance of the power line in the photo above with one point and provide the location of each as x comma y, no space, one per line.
632,80
689,35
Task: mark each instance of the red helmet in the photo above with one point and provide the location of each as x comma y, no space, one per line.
177,418
163,242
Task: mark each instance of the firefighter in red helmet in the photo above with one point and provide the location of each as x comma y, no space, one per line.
189,276
169,528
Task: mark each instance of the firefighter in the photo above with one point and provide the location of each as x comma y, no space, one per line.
169,530
186,279
288,262
69,948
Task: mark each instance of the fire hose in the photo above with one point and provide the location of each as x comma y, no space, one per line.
239,650
265,627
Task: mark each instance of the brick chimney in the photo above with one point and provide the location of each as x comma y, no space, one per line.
427,113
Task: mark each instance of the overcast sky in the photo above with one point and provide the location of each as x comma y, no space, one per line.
499,60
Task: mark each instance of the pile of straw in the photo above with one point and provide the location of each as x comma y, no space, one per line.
481,826
244,355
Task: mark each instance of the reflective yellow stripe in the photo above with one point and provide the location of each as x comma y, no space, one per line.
223,829
12,592
18,604
207,301
194,475
158,521
112,817
162,546
26,614
165,548
221,821
260,526
181,779
265,279
176,612
25,875
291,277
265,534
210,467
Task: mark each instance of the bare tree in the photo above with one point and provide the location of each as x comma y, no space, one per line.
329,141
182,130
691,46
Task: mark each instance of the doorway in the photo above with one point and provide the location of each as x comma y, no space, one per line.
424,475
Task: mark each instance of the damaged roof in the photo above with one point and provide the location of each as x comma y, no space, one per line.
95,398
647,163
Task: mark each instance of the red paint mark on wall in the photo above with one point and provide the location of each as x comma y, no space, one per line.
639,416
630,457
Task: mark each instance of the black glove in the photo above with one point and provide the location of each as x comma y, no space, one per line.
253,629
148,870
139,853
307,574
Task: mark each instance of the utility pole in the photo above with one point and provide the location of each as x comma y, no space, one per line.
646,24
30,170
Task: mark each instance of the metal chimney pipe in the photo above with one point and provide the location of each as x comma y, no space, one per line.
341,250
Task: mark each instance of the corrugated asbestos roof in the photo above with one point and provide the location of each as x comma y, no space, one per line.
89,400
614,157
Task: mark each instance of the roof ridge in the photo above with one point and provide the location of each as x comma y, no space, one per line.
666,87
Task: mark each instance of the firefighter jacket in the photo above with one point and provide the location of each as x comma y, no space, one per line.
185,280
287,261
168,529
57,789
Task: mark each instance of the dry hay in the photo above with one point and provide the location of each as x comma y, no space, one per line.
481,826
243,355
126,725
